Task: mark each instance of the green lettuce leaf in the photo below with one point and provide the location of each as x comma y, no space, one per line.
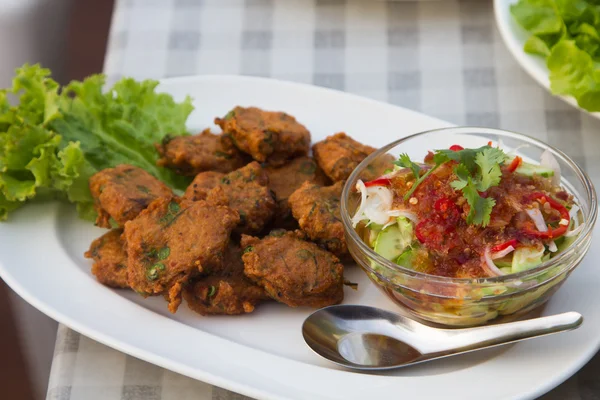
539,17
535,45
565,32
52,141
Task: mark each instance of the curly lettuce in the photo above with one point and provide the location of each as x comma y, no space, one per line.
565,33
53,139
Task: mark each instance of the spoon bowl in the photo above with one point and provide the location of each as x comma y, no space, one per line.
368,338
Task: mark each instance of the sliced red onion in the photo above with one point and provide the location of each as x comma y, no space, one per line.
488,265
503,253
538,219
574,213
358,216
405,213
376,204
548,160
575,231
514,151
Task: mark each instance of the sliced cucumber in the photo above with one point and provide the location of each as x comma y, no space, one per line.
525,258
528,169
504,262
564,242
374,230
405,259
394,239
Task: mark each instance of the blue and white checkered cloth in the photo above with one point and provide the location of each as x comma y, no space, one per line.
442,58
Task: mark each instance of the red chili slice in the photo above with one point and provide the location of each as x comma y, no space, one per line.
505,245
379,182
447,211
430,232
456,147
550,233
515,164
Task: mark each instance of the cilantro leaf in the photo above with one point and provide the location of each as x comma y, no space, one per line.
465,156
463,177
481,208
405,162
489,161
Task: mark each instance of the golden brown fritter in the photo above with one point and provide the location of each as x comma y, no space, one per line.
378,167
121,193
317,210
190,155
202,184
284,180
175,239
266,135
227,291
246,191
293,271
110,259
339,154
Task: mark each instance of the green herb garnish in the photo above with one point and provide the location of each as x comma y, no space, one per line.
308,167
143,189
477,171
164,253
248,249
154,271
483,174
211,291
304,254
223,155
405,162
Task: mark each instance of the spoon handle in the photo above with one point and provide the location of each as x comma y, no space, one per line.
462,340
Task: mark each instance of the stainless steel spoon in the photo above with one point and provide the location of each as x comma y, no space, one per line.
368,338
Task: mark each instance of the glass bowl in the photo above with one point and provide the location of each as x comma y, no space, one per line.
469,302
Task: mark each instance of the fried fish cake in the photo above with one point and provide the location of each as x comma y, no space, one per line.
227,291
190,155
293,271
202,184
121,193
246,191
339,154
284,180
110,259
175,239
266,135
317,210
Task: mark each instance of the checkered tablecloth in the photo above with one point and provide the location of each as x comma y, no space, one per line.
443,58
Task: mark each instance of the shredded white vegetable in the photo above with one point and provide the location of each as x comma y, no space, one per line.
574,213
503,253
548,160
575,231
488,264
538,219
577,227
552,247
404,213
375,205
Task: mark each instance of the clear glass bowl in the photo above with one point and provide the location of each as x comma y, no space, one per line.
469,302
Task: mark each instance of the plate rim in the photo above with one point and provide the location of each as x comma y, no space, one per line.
230,383
538,71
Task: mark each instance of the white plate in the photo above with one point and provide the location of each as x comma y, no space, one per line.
514,37
263,354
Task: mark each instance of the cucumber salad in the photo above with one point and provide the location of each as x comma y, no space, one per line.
468,213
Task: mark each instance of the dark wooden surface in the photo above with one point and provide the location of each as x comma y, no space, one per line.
14,378
87,37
